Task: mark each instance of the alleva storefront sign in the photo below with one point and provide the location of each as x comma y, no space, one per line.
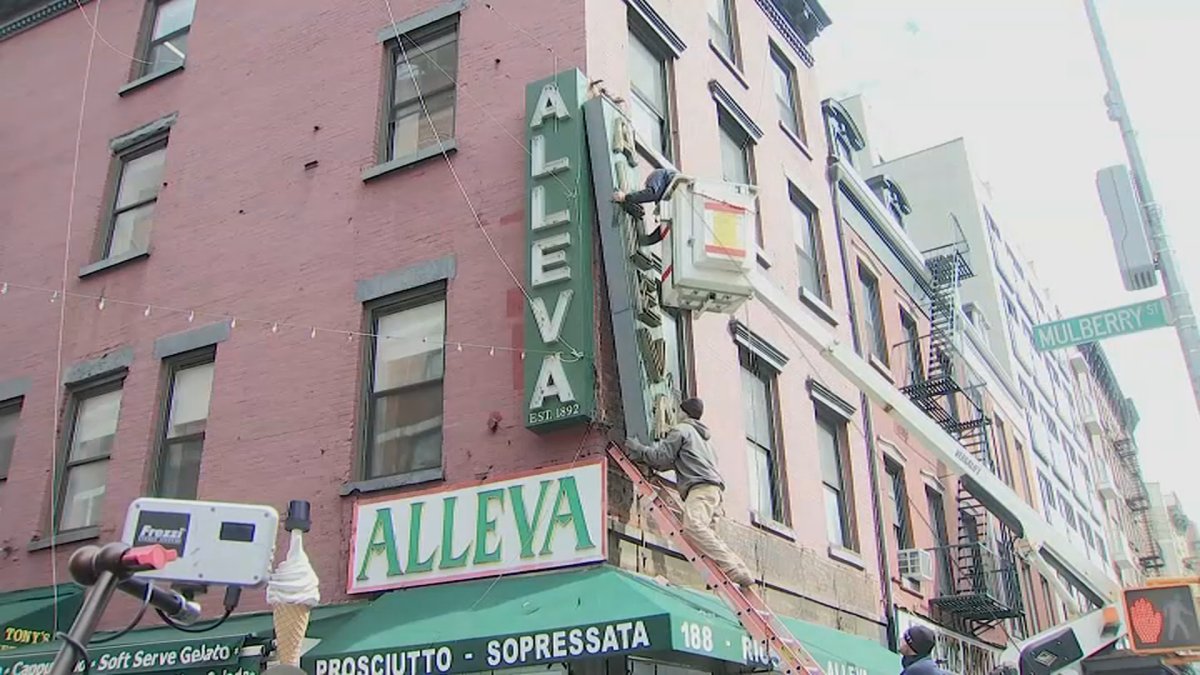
559,317
554,518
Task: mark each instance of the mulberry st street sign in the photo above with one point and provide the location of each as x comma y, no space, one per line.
1101,325
554,518
560,318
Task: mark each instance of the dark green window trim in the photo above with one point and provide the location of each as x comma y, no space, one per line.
172,365
96,386
169,346
16,387
373,310
147,79
406,279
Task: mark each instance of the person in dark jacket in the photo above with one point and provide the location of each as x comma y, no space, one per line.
686,450
916,651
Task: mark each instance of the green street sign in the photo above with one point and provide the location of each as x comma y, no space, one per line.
560,380
1101,325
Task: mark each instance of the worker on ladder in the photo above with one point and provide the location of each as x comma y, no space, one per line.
687,450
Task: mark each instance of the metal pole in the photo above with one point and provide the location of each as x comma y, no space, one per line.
81,631
1178,301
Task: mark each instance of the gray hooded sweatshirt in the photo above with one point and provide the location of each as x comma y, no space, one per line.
686,450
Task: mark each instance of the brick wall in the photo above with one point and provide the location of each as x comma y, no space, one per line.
242,228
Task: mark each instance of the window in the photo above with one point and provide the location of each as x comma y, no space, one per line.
83,480
761,415
786,95
10,414
404,406
139,178
912,348
831,439
1049,600
189,389
937,516
677,336
898,493
721,28
737,159
648,78
876,341
423,70
166,44
808,246
1048,502
735,151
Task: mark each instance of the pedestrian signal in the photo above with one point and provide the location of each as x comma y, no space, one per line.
1162,619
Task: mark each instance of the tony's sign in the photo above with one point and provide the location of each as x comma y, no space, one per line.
537,521
559,318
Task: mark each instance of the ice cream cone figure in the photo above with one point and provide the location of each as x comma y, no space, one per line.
292,591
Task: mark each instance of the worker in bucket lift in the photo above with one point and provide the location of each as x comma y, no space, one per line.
687,450
656,188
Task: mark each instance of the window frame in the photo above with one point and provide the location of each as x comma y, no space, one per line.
936,501
912,341
756,366
650,40
727,124
392,52
172,366
142,65
796,125
12,406
731,33
120,159
844,491
902,518
76,394
373,311
799,202
872,298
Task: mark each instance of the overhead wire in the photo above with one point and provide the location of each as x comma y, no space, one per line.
62,315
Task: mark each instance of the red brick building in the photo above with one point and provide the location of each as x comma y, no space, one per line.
246,260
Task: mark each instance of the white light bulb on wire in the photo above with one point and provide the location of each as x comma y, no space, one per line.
100,305
4,289
233,322
191,316
313,334
147,311
274,328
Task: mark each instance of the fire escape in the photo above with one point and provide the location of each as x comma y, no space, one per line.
978,584
1138,500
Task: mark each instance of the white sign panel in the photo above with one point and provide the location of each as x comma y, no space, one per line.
551,518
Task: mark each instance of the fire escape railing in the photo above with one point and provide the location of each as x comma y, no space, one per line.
1137,498
980,585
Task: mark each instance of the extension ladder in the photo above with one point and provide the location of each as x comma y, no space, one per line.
754,615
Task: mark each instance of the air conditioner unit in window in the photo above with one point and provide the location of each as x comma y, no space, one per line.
916,564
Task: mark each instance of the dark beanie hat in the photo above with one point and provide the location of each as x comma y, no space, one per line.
693,408
921,640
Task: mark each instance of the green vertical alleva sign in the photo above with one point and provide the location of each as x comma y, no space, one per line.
560,317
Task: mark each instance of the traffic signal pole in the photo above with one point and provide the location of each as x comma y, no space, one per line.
1177,298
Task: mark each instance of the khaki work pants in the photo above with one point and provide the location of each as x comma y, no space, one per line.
700,512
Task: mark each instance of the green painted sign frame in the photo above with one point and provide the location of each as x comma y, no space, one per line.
559,368
1109,323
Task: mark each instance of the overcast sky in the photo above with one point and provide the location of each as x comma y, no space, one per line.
1021,81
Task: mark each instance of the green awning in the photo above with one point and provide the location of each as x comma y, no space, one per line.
28,617
543,618
163,648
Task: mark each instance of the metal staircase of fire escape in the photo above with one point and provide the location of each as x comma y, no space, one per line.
941,396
